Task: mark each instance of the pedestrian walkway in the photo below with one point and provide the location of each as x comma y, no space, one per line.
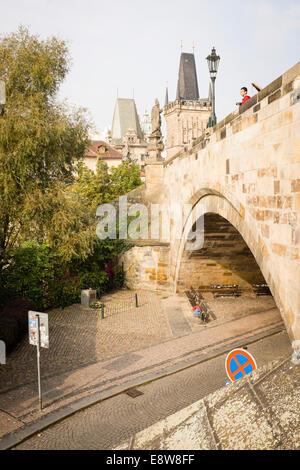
260,411
70,389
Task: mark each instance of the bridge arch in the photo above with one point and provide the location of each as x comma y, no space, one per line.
212,202
245,169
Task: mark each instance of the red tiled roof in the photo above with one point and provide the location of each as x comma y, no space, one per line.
110,152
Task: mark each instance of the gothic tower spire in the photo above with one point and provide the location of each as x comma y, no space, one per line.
187,87
167,97
187,116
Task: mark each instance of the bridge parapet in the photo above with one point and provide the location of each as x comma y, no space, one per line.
242,117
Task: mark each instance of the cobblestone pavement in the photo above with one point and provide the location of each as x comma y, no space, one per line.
224,308
106,424
78,336
258,412
89,356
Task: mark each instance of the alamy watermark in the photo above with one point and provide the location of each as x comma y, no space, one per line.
164,222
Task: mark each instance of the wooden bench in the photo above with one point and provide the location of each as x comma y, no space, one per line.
196,298
231,290
261,289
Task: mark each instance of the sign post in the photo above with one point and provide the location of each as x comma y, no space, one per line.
39,337
38,361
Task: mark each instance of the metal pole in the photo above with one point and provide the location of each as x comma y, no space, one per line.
102,311
214,100
213,118
136,300
38,363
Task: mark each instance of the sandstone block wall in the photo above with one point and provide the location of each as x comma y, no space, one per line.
224,259
147,266
251,162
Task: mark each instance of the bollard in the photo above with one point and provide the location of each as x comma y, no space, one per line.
136,300
102,311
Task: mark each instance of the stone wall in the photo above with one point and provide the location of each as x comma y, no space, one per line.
224,259
185,122
147,266
247,170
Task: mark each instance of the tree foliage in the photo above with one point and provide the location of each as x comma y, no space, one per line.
107,185
48,245
40,139
65,221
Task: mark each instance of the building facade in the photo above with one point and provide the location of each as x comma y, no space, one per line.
101,149
126,133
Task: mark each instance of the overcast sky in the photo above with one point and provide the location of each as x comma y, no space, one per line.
135,44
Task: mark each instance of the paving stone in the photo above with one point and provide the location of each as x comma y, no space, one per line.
281,394
124,361
84,360
170,401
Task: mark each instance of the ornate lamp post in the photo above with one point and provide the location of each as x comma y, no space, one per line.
213,63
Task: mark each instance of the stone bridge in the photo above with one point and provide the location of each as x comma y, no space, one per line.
243,175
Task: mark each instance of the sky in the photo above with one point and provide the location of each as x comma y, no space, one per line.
132,48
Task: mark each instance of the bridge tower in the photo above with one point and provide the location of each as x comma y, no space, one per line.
187,116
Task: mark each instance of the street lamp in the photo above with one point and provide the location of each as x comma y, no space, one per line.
213,63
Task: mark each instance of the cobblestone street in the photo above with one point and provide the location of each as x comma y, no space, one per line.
79,336
106,424
91,358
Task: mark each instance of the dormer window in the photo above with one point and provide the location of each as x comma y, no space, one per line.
102,149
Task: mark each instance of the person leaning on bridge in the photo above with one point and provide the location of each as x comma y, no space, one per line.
244,95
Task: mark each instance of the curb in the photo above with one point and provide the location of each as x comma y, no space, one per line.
21,434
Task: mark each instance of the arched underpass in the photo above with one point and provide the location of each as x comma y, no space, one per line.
245,169
224,260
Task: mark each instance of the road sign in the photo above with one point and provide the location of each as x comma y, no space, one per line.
43,330
239,363
38,336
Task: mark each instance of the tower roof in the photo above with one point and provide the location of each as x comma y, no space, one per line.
167,97
125,117
187,87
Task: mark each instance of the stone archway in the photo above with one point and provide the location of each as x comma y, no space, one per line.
223,259
217,204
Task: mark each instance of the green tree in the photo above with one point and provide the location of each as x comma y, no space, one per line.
125,178
32,271
106,185
41,142
65,221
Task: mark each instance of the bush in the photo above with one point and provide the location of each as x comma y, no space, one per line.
65,293
118,278
32,273
14,321
36,273
98,281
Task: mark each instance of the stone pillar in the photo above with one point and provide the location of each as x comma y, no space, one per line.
154,168
154,177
